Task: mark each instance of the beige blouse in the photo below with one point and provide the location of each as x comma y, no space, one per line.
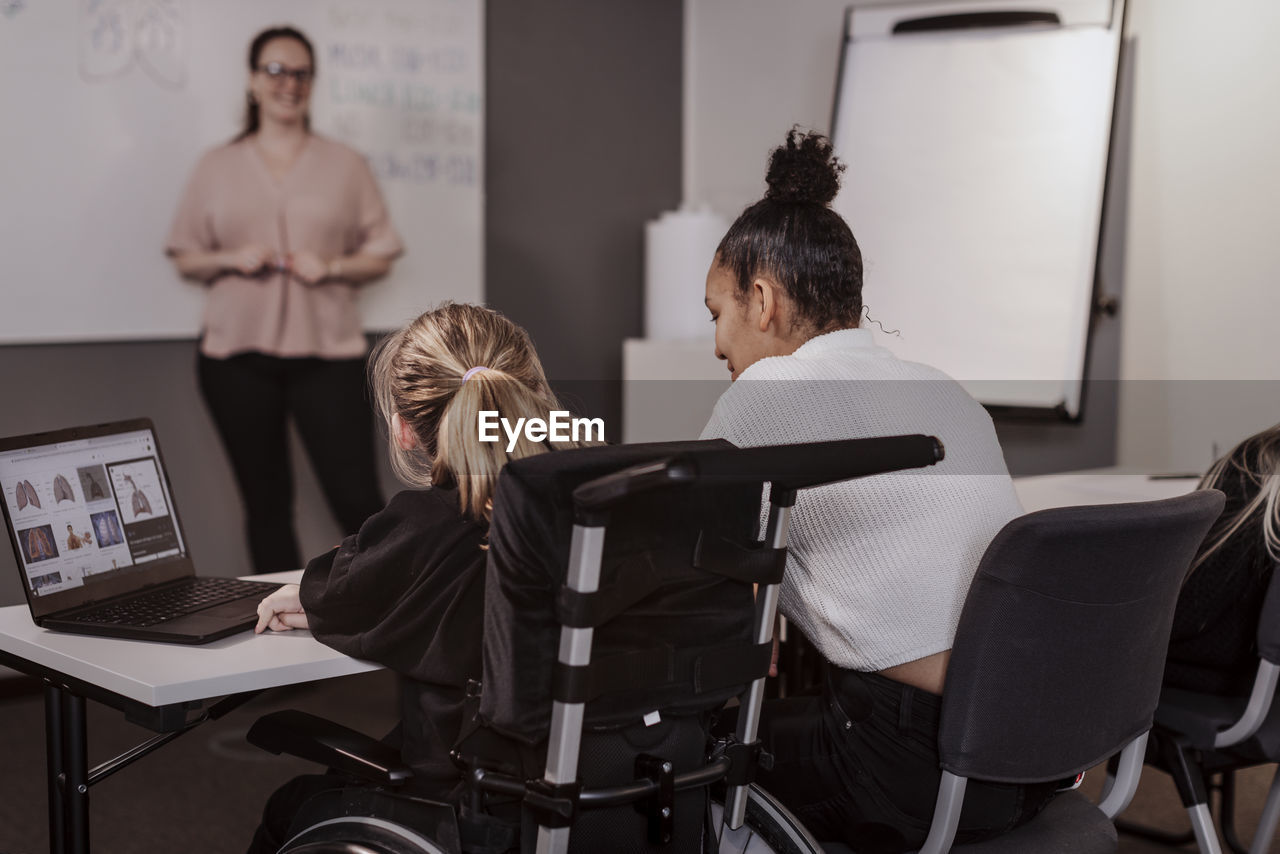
328,203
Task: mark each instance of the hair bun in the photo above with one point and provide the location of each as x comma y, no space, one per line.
803,170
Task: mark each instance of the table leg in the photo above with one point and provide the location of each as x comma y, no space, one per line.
55,765
77,787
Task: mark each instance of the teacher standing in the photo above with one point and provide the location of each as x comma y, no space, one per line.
284,225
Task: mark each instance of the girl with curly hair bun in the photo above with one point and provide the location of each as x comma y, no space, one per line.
878,568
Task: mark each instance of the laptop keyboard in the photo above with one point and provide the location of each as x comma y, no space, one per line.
152,608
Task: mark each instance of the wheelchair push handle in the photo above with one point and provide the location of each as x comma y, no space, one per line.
787,467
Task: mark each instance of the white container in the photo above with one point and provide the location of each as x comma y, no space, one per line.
678,249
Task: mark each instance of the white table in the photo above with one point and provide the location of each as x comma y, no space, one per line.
1098,486
156,685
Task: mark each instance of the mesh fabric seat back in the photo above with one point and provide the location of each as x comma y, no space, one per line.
1269,620
658,643
1266,741
1060,649
651,537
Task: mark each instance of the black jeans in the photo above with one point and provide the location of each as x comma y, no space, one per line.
251,397
859,764
284,804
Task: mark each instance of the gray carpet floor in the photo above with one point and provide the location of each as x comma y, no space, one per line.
200,794
203,793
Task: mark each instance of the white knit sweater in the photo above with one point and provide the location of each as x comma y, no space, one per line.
878,567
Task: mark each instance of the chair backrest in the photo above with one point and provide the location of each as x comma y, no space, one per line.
1060,649
677,606
694,544
619,588
1269,620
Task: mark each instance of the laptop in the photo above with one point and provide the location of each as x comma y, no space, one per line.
98,542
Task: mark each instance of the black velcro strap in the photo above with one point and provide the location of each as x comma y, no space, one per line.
636,579
754,563
552,804
734,664
642,669
702,670
744,759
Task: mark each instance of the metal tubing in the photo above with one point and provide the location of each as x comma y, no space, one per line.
1119,793
1202,824
766,609
553,840
77,777
564,742
946,814
1260,700
111,766
565,737
583,576
56,765
1267,823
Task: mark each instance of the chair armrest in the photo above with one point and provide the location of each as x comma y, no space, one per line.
1260,699
1119,790
319,740
946,814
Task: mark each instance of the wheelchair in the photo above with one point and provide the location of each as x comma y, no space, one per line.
605,661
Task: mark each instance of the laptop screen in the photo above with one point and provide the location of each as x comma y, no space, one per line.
88,507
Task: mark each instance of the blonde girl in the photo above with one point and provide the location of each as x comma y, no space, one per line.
1213,647
407,590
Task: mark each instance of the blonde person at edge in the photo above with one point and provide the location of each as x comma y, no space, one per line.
1214,644
407,591
283,225
879,567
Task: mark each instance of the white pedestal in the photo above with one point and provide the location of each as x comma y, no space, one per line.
669,388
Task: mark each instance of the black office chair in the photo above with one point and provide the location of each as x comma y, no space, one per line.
604,746
1058,660
1198,736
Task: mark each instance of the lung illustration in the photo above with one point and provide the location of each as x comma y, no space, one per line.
138,500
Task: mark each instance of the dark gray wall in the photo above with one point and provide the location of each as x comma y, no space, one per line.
582,147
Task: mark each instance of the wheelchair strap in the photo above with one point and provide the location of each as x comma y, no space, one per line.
755,563
701,670
749,564
486,834
591,610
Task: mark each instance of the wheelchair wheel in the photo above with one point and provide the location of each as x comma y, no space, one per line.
769,829
360,835
361,820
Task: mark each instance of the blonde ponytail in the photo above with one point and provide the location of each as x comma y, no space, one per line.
418,373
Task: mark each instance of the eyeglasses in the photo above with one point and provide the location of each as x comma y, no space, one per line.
279,73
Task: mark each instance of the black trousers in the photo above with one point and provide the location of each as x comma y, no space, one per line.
284,804
251,397
859,764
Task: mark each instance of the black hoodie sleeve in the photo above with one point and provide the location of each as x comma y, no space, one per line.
406,591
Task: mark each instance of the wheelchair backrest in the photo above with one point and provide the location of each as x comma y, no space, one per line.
672,614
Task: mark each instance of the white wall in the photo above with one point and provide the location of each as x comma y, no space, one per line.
753,68
1202,289
1202,281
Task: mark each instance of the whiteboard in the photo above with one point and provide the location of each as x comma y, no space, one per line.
107,105
976,167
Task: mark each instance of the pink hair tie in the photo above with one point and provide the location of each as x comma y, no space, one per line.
474,370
